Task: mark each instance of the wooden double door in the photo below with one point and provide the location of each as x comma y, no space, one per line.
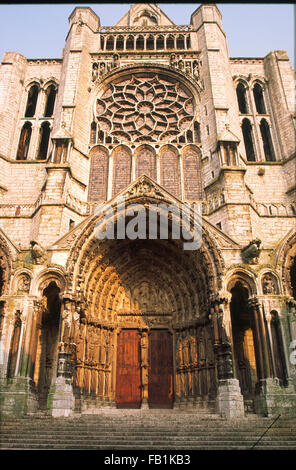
129,373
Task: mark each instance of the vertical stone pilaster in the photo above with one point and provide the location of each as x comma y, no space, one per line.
272,398
230,403
61,400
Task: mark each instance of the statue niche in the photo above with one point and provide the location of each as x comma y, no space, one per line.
23,285
269,284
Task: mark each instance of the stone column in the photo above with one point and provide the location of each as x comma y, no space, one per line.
2,349
61,399
18,395
272,399
230,401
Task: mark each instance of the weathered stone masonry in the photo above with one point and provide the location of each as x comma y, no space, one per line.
160,115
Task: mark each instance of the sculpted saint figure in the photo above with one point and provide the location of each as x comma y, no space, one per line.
66,324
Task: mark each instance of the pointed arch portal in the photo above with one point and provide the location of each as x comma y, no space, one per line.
145,333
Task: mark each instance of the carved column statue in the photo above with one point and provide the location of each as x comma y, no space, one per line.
262,337
222,344
229,400
270,394
66,326
61,399
144,368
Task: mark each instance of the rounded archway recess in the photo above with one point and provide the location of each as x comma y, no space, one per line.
126,287
147,104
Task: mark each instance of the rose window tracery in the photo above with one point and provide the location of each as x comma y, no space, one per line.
145,109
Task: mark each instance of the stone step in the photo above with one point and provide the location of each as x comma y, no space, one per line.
150,446
133,434
146,431
250,440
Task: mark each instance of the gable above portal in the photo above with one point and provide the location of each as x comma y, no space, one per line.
145,14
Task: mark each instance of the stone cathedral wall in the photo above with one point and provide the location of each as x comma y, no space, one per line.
154,112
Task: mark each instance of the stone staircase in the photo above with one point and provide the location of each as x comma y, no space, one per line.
147,430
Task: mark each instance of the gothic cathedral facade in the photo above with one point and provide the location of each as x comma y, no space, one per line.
147,118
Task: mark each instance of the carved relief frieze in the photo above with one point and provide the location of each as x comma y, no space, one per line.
128,320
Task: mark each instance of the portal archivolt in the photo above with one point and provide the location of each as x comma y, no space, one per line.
149,287
143,287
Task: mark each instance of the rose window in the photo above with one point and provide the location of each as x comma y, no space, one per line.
144,109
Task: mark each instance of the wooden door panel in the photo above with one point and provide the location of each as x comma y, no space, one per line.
128,376
160,386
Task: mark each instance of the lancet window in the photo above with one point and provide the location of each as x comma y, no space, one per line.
251,101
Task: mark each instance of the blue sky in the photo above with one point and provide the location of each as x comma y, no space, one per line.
252,30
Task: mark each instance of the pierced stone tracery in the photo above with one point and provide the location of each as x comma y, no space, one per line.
144,108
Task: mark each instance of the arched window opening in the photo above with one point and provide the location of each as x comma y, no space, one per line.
188,42
189,137
120,43
280,370
170,43
102,43
130,43
93,133
150,43
140,43
230,153
259,99
191,170
180,42
267,141
110,43
160,42
43,141
98,179
50,100
241,98
248,140
101,137
32,101
170,170
146,162
243,326
121,169
24,142
197,132
60,153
